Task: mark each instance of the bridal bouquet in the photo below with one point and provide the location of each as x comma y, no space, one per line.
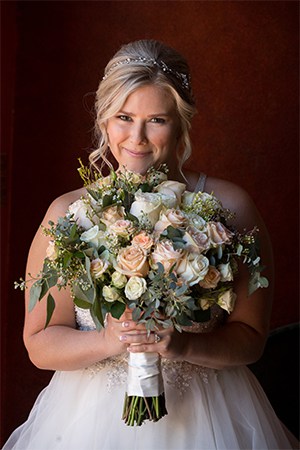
145,243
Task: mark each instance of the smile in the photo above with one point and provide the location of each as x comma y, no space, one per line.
136,154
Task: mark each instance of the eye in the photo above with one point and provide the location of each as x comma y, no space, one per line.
158,120
124,118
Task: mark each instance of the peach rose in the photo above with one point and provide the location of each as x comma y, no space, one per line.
132,261
173,217
98,267
165,253
111,214
211,279
143,240
218,233
123,228
52,251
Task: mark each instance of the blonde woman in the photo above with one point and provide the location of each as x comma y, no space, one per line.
144,107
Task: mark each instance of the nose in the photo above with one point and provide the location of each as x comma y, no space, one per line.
138,134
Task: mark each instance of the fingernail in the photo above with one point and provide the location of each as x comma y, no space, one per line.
125,324
123,338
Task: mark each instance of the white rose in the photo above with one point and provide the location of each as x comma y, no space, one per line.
226,272
196,220
146,205
227,300
135,287
193,268
110,294
174,186
82,214
93,236
118,280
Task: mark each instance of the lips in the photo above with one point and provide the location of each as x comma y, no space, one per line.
135,153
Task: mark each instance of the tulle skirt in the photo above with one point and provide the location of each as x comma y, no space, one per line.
226,410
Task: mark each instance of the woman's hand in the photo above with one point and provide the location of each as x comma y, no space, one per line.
169,343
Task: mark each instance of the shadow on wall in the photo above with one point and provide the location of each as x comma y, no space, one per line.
278,373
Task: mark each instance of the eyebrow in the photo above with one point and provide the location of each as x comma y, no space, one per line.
150,115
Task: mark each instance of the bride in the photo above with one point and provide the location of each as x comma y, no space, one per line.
144,107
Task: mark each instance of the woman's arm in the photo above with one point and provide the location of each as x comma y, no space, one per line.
242,338
61,346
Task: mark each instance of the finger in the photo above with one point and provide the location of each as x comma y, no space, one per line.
137,338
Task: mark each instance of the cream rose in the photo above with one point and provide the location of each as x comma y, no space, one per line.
226,272
93,236
227,300
171,192
143,240
218,233
173,217
211,279
187,198
135,287
132,261
82,214
98,267
205,303
193,268
146,206
110,294
52,251
123,228
118,280
111,214
196,241
165,253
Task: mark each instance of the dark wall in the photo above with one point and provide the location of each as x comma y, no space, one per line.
244,64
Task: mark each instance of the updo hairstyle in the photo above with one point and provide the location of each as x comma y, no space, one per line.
135,65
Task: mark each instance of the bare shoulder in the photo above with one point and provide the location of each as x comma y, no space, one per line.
237,200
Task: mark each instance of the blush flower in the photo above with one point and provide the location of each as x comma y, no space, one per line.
211,279
165,254
132,261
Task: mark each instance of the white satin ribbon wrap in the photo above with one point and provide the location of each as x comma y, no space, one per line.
144,375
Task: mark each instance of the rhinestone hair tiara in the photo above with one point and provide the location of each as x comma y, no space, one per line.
184,79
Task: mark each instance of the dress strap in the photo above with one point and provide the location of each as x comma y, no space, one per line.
200,183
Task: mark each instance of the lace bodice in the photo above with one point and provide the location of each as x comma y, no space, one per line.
176,373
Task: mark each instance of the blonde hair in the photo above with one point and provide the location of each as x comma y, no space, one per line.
135,65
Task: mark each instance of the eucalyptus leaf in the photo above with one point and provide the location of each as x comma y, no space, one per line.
34,296
117,309
81,303
50,308
87,296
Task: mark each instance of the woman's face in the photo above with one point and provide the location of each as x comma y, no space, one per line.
146,130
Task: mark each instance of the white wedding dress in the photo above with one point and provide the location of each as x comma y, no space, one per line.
207,409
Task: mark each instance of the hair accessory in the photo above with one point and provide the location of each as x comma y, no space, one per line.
184,78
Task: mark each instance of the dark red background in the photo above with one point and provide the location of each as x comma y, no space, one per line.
244,64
